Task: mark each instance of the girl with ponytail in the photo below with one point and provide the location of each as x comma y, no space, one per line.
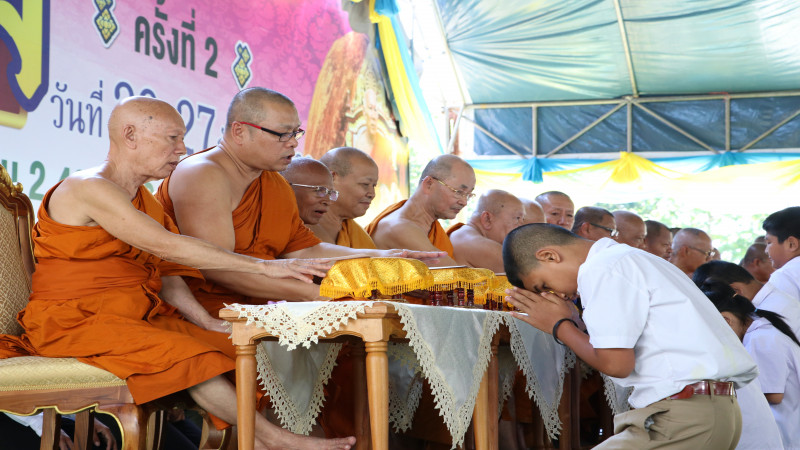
774,347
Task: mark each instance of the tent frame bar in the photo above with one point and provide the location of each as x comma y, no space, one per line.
623,33
629,102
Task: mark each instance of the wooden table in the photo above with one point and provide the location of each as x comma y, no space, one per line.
375,327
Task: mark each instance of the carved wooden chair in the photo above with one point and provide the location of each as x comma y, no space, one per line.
54,385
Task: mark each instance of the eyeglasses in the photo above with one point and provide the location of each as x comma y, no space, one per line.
283,137
708,253
613,232
458,192
321,191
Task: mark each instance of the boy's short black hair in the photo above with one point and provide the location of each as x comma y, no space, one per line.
783,223
723,271
521,245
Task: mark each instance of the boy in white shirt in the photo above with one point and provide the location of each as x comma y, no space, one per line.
783,248
649,327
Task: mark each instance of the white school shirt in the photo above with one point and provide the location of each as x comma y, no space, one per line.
637,300
778,359
759,430
34,422
787,278
772,299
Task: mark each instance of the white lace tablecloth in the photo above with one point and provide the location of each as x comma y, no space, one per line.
448,347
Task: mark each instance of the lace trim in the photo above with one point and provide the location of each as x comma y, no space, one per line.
288,413
549,411
292,331
616,396
402,410
508,372
456,419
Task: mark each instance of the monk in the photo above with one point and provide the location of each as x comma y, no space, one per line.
313,189
110,265
233,196
533,212
558,208
445,187
355,176
631,229
479,242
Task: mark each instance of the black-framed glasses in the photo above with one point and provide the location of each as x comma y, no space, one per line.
459,193
283,137
708,253
613,232
321,191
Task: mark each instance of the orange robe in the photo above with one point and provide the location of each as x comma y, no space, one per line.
436,234
266,225
95,298
454,228
353,236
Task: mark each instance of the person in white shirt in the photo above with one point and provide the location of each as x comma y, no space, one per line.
783,248
763,296
776,350
649,327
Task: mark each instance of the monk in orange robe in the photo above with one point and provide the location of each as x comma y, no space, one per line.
479,242
354,176
98,275
445,187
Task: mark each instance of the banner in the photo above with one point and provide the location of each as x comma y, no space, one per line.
68,62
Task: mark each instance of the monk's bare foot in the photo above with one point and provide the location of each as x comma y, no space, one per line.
291,441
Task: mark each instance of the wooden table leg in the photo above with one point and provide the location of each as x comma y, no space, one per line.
246,395
361,409
378,393
485,415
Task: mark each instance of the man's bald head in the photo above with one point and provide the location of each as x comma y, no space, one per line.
757,263
658,239
341,160
691,247
313,185
441,167
594,223
533,212
497,213
631,229
142,113
249,105
558,208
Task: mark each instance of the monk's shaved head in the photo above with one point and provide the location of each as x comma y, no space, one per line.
340,160
495,201
441,167
632,229
305,170
249,105
533,212
142,113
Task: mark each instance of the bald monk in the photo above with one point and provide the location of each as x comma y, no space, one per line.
233,196
630,228
691,247
110,265
558,208
658,239
756,261
313,189
594,223
533,212
445,187
479,242
355,176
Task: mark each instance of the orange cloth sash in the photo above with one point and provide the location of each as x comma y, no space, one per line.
353,236
436,234
266,225
96,298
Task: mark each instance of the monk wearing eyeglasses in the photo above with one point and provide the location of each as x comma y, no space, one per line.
691,248
234,196
313,189
445,187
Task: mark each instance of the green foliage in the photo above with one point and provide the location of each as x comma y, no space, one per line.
731,234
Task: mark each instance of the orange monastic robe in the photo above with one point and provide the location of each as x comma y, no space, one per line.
96,298
267,225
353,236
454,228
436,234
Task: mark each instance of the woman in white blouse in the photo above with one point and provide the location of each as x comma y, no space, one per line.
776,350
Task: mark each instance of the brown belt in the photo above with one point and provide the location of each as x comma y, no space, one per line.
705,387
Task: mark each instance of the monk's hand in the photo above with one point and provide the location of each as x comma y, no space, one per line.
540,310
426,257
300,269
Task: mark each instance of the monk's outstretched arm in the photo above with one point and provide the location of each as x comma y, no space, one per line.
175,292
411,237
326,250
109,206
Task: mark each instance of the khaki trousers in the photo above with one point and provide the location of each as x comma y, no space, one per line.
702,422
